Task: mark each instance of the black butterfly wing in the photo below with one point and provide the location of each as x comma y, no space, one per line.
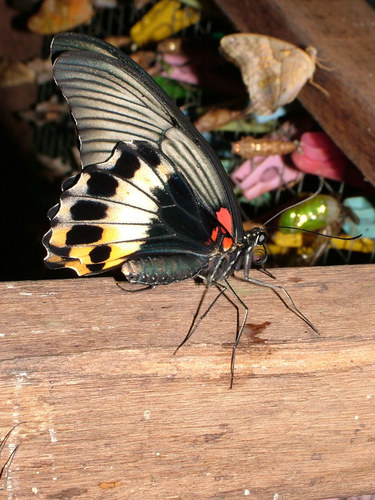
150,184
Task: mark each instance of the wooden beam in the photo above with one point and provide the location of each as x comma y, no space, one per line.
343,33
89,371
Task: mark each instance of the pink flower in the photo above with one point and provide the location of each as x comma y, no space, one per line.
261,175
318,155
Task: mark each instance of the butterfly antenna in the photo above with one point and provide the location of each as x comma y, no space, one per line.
347,238
295,205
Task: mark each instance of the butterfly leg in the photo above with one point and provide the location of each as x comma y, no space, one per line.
291,305
194,324
9,460
147,287
266,272
240,329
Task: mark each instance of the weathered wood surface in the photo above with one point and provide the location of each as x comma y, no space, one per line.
107,411
344,35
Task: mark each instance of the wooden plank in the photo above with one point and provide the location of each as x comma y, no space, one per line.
107,411
343,33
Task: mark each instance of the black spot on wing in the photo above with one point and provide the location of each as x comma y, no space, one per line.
83,234
59,251
127,164
55,221
95,268
100,253
148,153
88,210
101,184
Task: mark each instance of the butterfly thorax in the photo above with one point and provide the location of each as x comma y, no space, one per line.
242,255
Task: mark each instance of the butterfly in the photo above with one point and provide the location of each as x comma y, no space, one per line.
273,70
152,198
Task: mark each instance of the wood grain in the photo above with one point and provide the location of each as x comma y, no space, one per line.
107,411
343,33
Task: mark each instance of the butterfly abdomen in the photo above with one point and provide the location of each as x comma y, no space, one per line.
161,270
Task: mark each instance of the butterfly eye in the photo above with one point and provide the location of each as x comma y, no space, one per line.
261,238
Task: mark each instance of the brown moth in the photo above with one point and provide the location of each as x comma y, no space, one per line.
274,71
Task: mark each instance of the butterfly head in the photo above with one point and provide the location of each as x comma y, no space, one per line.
256,236
254,250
